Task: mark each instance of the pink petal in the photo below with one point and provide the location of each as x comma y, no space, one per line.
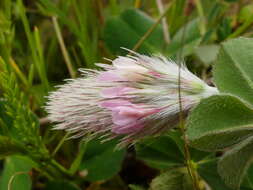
120,119
110,104
127,115
114,92
131,110
156,74
127,129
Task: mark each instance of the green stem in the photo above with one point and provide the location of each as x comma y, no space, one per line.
63,47
76,163
202,17
166,32
206,161
50,167
34,44
137,4
60,168
114,7
150,30
59,144
242,28
44,172
19,73
191,168
55,170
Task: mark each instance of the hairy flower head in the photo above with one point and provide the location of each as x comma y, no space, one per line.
136,96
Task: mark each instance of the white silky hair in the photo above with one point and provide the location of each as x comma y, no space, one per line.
75,105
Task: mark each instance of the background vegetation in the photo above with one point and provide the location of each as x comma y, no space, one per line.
45,41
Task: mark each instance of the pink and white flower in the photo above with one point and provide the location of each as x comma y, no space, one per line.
136,96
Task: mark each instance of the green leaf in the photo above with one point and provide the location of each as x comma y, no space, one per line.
61,185
245,13
224,29
128,28
218,122
166,151
208,171
134,18
172,180
248,180
175,16
21,124
17,168
235,162
186,39
136,187
207,53
233,70
5,120
102,161
160,153
8,147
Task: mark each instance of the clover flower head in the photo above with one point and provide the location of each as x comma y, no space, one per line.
136,96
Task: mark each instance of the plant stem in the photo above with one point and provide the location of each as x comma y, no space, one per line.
59,167
189,164
166,33
242,28
60,144
63,47
150,30
54,169
113,7
19,72
76,163
35,46
202,17
137,4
